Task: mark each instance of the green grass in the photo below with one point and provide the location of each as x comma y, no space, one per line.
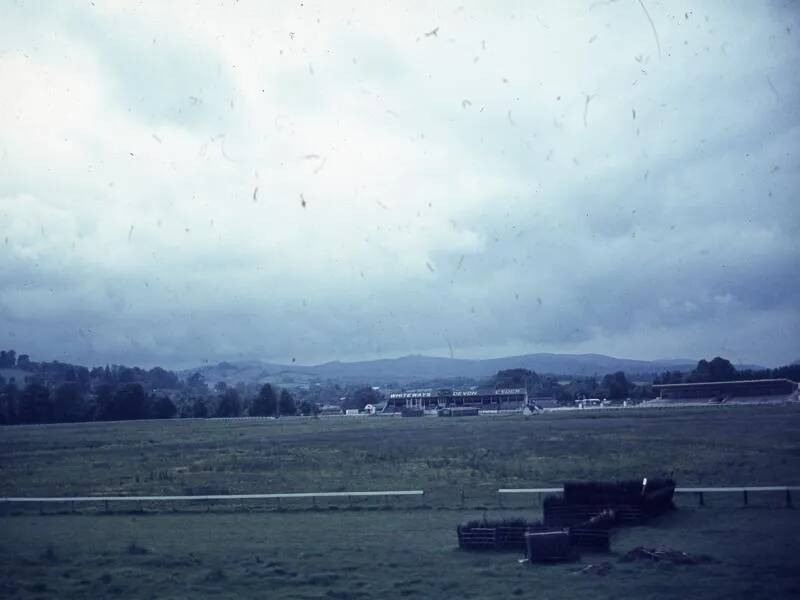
380,554
405,551
713,445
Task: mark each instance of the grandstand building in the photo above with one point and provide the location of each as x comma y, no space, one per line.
502,399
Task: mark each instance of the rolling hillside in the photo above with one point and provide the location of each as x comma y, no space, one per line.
411,368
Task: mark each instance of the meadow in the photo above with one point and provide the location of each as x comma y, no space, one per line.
408,548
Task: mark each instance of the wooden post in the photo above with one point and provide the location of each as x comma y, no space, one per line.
314,500
744,497
279,502
500,499
106,503
788,498
700,500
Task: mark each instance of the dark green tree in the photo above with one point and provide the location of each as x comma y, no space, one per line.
126,374
722,369
127,402
199,408
130,402
84,379
68,403
196,382
229,404
9,404
36,406
286,404
159,378
616,386
8,359
103,398
669,377
162,407
516,378
702,372
361,397
307,408
265,404
719,369
791,371
642,392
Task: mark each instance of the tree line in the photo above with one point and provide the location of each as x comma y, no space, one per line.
721,369
55,392
69,402
617,386
612,386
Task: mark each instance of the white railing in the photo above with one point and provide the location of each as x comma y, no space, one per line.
700,491
208,497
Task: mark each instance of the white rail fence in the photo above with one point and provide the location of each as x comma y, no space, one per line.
107,500
700,492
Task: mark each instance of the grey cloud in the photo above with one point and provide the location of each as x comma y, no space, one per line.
669,234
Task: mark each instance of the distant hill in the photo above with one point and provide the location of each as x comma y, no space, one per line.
411,368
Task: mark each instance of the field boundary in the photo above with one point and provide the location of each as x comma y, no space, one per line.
208,497
699,491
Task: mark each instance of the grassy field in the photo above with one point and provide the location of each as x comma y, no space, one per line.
409,549
714,445
380,554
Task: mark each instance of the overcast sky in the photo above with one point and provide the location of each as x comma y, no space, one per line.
205,181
